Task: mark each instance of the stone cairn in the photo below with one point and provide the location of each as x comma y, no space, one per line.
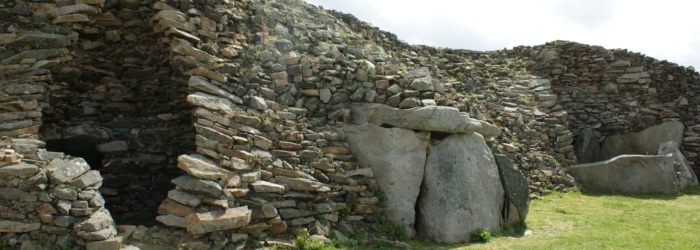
223,119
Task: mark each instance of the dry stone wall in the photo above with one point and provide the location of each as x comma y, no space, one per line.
615,91
22,94
223,118
100,77
50,200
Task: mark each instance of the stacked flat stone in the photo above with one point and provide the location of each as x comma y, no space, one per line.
51,200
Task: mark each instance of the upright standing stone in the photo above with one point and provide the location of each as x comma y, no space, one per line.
517,191
686,176
461,191
397,157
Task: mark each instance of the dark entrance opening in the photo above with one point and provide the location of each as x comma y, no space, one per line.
79,146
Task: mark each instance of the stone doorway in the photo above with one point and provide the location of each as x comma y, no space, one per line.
79,146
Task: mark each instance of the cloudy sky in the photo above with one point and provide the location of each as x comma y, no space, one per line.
666,30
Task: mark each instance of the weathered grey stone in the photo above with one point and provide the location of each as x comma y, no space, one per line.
630,174
302,184
11,213
18,227
364,172
488,130
267,187
65,194
291,213
184,198
410,102
172,220
48,155
429,118
645,142
266,211
19,170
220,220
97,221
397,157
16,195
184,47
90,178
198,186
284,45
201,167
587,146
102,234
74,9
213,103
203,85
23,89
517,191
64,171
325,95
420,79
64,206
64,221
43,41
38,54
109,244
169,206
684,173
461,191
97,201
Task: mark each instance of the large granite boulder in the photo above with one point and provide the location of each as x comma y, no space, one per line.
517,191
461,191
428,118
630,174
645,142
397,157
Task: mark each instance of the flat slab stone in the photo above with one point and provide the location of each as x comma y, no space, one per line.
205,187
302,184
90,178
18,227
232,218
267,187
19,170
629,174
428,118
201,167
64,171
16,195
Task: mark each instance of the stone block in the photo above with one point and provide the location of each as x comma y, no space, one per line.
232,218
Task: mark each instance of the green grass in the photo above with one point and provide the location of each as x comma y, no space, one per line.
589,221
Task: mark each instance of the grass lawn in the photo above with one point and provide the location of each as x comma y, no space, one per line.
589,221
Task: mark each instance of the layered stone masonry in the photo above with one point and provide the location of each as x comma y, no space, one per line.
100,78
50,200
22,96
614,91
247,98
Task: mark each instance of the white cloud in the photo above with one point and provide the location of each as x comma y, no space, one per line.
666,30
